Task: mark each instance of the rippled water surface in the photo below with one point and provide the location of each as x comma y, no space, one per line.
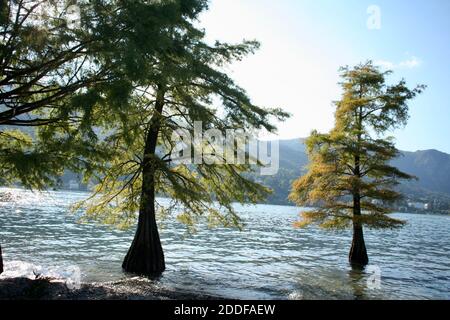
269,259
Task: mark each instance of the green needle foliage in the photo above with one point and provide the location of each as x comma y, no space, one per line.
163,90
350,179
45,64
65,77
190,86
53,73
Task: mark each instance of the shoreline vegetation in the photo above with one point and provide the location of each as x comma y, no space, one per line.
5,196
127,289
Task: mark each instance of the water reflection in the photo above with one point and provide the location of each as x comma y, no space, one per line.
358,280
269,259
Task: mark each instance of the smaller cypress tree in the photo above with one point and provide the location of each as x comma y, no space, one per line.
350,179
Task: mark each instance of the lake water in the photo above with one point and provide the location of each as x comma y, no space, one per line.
269,259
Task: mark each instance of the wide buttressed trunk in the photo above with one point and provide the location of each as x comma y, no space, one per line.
146,256
358,253
1,260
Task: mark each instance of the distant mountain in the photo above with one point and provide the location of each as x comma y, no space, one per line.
432,167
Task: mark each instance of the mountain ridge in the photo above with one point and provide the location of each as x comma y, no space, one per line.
431,167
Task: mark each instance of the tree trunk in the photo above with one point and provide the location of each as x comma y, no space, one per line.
358,253
146,256
1,260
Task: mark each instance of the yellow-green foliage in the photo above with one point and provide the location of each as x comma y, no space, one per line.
352,161
169,89
27,162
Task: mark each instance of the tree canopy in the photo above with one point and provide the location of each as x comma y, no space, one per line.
54,71
354,157
163,76
183,84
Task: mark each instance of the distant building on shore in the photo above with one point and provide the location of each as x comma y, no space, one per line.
418,205
74,185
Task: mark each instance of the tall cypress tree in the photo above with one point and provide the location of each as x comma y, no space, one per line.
350,179
185,83
61,80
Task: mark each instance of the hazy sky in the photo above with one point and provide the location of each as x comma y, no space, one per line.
305,41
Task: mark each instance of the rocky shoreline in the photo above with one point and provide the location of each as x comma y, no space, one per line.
129,289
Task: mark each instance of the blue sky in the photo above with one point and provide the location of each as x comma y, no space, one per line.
305,41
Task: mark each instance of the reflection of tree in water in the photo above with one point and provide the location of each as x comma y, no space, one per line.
357,279
332,284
